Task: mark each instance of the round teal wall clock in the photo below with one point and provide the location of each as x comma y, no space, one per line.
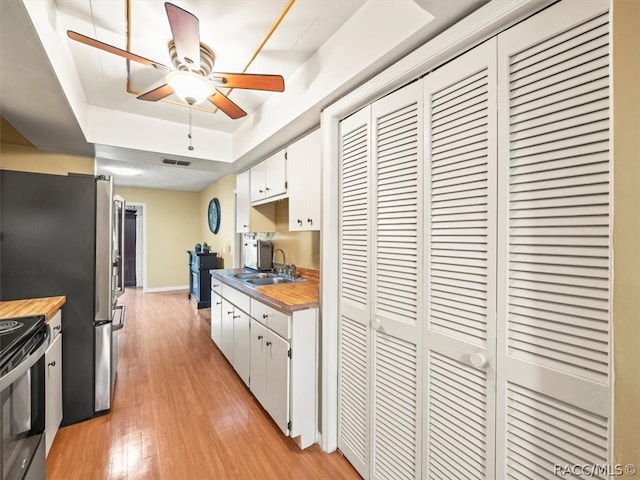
213,215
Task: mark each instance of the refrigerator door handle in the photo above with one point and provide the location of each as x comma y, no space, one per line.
120,256
120,325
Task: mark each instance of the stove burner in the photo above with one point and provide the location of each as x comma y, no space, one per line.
7,326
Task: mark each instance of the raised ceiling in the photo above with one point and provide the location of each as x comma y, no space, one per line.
323,48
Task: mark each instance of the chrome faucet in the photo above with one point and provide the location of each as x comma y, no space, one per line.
273,260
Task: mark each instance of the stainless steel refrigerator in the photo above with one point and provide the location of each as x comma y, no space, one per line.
63,235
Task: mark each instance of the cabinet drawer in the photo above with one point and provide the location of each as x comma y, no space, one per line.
272,318
216,285
236,297
55,325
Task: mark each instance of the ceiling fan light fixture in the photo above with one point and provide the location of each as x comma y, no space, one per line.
190,87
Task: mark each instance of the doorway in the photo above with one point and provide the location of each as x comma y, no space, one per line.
135,245
130,247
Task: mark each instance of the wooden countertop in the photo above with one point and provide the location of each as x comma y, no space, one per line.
47,306
285,297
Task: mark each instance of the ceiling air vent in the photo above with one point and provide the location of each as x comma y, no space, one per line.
179,163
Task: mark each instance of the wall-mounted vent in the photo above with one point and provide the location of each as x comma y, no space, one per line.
179,163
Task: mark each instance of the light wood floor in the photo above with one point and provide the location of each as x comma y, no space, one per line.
180,411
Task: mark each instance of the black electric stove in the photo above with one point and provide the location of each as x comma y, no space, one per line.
17,338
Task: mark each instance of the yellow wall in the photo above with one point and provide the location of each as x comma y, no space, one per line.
223,242
626,231
173,227
30,159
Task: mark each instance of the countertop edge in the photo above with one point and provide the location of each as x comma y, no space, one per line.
47,306
257,294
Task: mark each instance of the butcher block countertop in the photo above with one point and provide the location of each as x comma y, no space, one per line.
47,306
285,297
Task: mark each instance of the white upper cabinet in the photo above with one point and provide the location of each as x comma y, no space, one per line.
304,161
249,218
269,179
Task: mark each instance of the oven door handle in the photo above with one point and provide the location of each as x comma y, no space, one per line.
120,325
22,368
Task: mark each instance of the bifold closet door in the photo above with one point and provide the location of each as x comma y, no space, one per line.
379,429
355,291
554,237
460,251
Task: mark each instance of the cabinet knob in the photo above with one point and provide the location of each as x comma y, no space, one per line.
260,337
236,316
260,191
230,313
52,364
268,344
245,226
310,221
215,286
57,327
299,222
267,189
218,303
265,316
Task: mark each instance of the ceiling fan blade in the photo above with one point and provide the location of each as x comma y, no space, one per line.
78,37
272,83
221,101
186,35
157,93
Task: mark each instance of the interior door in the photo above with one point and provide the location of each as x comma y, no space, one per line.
130,248
554,314
460,250
355,304
396,263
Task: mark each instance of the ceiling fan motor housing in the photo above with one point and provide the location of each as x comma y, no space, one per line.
207,59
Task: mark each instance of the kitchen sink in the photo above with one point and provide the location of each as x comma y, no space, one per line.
268,281
250,276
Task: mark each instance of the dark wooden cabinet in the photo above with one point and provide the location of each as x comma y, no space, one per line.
200,278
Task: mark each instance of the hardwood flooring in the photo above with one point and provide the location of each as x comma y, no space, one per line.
180,411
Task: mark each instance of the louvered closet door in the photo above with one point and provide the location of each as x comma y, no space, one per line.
554,363
355,298
396,208
460,250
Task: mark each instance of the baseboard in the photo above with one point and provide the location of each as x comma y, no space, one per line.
165,289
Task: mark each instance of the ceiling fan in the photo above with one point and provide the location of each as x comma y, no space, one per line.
192,78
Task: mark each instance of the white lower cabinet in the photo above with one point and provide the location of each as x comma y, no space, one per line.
275,354
241,351
53,382
216,318
270,373
226,344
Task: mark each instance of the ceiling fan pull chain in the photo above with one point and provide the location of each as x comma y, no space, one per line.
190,147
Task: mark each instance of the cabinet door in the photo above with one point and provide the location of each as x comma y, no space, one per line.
303,179
227,330
216,318
258,361
243,201
277,390
241,341
276,174
53,390
258,190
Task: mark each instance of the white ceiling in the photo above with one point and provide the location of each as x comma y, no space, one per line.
69,97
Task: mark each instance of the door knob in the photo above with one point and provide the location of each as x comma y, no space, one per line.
479,360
